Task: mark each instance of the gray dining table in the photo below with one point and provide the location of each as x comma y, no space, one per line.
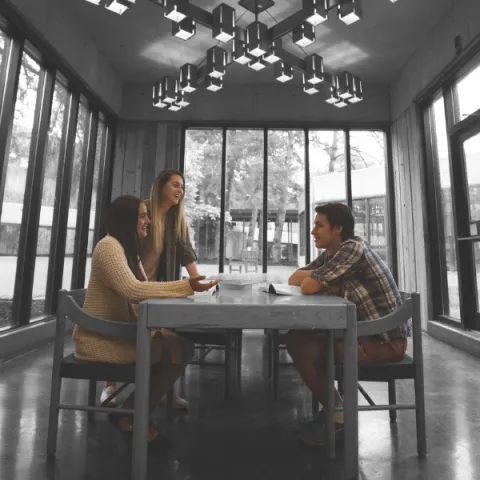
247,308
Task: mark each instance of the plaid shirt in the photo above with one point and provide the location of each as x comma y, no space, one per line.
358,274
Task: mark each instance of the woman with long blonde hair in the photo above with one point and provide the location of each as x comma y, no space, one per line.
166,246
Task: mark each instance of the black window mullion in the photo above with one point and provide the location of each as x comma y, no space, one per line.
84,204
100,185
307,197
465,260
348,169
391,233
221,252
62,201
106,186
32,200
8,89
265,202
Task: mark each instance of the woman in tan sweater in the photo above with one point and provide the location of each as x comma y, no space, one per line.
167,245
117,283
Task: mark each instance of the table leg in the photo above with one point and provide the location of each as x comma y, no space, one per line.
330,394
350,361
142,388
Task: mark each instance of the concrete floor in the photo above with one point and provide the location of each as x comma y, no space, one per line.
248,437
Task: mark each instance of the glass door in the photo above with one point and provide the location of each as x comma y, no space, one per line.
466,173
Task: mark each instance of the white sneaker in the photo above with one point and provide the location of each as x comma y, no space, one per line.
107,391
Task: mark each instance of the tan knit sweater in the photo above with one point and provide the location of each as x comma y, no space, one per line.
111,291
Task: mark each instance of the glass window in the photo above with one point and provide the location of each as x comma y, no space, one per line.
99,161
244,201
286,187
369,187
203,170
471,149
468,94
16,175
79,157
52,155
4,42
442,159
327,171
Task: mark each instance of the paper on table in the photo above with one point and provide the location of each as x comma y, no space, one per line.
239,279
282,289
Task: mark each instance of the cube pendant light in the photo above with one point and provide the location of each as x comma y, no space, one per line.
184,29
304,34
174,107
332,96
257,39
357,91
216,62
308,87
223,23
169,89
271,56
283,72
188,78
316,11
95,2
119,6
183,99
345,85
314,69
350,11
239,52
157,96
174,10
257,64
213,84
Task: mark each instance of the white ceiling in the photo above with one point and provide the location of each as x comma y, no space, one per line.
141,49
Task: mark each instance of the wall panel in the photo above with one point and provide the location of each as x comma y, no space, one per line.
410,206
142,150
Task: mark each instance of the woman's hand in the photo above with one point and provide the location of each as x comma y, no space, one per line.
199,284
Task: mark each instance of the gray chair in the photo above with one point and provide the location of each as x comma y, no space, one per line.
70,306
408,368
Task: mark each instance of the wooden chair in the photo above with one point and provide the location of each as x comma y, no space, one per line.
410,367
70,306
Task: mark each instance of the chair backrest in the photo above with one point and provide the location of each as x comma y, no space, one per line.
395,319
70,308
249,255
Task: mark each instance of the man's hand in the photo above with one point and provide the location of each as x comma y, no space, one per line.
298,277
309,286
199,284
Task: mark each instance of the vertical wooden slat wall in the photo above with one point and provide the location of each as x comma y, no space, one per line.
411,208
142,149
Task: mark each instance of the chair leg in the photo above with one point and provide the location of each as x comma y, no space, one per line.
169,404
275,362
92,395
53,415
315,407
392,400
239,355
228,359
269,354
420,415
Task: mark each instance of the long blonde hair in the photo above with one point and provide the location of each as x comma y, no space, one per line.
176,211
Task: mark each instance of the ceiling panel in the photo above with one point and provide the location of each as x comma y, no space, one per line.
140,47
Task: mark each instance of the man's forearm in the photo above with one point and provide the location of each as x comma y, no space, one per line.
298,277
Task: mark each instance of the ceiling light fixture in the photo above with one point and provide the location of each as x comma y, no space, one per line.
254,46
185,29
118,6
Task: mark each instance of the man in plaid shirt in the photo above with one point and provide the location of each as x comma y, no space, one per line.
349,268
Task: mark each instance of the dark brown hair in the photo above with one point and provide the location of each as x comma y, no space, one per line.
339,215
122,221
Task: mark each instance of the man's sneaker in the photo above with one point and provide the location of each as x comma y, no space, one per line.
314,432
107,392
